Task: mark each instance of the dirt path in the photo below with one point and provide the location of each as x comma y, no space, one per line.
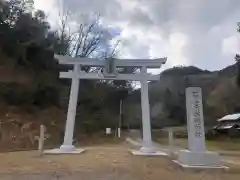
100,163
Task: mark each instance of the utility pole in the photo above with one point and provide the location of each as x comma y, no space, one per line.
120,118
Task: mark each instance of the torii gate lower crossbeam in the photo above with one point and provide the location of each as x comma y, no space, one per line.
77,74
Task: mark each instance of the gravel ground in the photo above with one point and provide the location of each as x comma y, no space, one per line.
101,163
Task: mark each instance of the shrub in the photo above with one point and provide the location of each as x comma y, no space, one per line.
46,96
211,135
234,132
181,134
14,94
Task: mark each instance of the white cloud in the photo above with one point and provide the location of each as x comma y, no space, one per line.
51,10
177,42
197,32
231,45
44,5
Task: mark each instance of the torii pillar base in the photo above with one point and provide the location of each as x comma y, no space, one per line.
65,150
148,151
199,160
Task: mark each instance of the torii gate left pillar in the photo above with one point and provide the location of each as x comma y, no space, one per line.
67,145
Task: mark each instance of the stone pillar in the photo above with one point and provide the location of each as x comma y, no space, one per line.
195,123
196,155
146,123
71,114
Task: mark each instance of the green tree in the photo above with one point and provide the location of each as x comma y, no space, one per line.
28,41
237,58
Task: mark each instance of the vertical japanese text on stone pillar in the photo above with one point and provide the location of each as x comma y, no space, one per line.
196,115
196,135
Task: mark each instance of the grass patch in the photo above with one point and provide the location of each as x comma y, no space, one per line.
216,145
181,141
226,144
99,139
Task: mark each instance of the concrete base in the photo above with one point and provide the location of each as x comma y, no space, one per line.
140,153
198,159
200,167
67,148
61,151
148,151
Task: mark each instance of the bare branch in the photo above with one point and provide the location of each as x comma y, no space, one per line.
89,30
86,40
80,39
113,54
92,45
64,17
73,38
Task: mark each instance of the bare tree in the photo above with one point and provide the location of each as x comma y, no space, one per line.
64,28
90,40
87,39
63,34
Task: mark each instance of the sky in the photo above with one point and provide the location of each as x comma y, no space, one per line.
201,33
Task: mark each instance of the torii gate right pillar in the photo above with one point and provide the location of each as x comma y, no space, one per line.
146,123
147,145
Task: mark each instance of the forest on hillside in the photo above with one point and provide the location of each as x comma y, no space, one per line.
31,92
27,45
167,96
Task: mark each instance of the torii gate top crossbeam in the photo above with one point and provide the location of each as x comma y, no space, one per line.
137,63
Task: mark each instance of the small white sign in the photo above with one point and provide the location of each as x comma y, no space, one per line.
108,131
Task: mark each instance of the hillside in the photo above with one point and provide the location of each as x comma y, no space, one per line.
167,96
31,92
29,99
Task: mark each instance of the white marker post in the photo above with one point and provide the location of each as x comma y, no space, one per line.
170,141
119,132
41,140
196,156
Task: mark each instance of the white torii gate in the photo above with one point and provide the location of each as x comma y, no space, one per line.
76,74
